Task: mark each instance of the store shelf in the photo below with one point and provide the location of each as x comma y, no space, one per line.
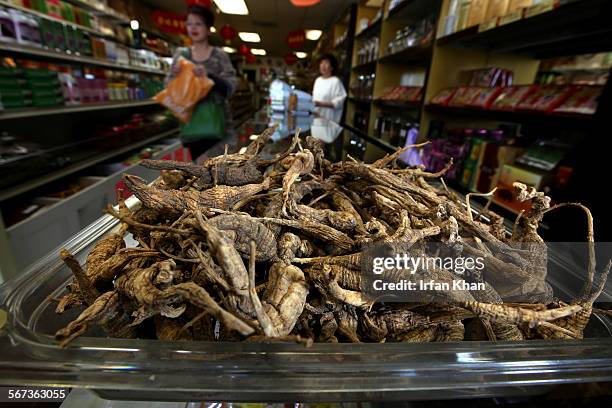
397,104
32,184
414,10
378,142
100,10
360,101
579,27
62,56
368,66
560,119
47,17
370,31
420,54
35,112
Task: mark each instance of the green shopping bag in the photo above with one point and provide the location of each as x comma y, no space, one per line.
207,122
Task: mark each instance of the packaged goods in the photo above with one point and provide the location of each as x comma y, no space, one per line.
444,97
496,8
484,97
464,96
509,98
546,98
477,13
585,100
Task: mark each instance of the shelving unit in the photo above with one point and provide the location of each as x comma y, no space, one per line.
41,181
75,58
101,10
59,110
573,27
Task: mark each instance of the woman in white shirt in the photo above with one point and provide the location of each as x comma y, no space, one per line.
328,92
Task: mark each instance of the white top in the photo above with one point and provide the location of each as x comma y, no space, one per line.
329,90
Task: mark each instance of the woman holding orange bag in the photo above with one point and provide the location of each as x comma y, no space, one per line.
210,117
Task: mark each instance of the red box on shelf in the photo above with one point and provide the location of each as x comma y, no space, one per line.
583,101
509,98
464,96
444,97
546,98
485,97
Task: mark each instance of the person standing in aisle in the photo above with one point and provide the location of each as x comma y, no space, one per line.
211,116
328,93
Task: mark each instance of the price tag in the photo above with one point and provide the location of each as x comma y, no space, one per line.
32,394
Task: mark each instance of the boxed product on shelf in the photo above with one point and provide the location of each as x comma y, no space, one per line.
484,97
464,96
515,5
509,98
491,76
402,94
546,98
443,97
477,13
493,157
496,8
585,101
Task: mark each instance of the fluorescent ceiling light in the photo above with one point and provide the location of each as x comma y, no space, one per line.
301,55
313,35
232,7
213,30
249,37
134,25
258,51
229,50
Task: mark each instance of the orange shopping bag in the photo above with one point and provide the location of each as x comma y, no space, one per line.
185,91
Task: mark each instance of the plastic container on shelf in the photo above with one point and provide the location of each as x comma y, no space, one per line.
7,27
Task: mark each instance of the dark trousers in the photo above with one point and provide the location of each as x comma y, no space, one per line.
199,147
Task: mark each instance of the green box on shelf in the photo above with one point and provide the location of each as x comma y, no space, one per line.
46,92
43,83
16,102
47,32
15,93
39,73
12,84
68,12
48,101
8,72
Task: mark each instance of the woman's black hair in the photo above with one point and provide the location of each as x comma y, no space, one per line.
333,61
204,13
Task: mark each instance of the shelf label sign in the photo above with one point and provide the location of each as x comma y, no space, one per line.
169,22
296,39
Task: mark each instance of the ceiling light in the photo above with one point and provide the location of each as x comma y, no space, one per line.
229,50
232,7
213,30
250,37
313,35
134,25
258,51
301,55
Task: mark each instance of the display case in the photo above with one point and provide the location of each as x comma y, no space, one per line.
244,371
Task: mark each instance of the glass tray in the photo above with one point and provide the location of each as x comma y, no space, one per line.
190,371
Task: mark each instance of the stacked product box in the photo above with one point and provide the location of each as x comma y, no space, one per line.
14,90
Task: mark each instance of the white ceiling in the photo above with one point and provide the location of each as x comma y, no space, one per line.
272,19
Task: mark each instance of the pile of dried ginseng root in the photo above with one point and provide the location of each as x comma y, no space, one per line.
246,248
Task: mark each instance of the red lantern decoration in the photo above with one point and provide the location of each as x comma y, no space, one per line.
228,33
290,59
251,59
201,3
296,39
304,3
244,50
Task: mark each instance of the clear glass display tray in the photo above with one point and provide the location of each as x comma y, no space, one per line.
190,371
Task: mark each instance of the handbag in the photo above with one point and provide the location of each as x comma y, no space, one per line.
207,122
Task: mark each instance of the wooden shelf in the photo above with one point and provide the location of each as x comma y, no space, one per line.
560,119
370,31
35,112
417,54
368,66
378,142
80,59
32,184
397,104
360,100
414,10
579,27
